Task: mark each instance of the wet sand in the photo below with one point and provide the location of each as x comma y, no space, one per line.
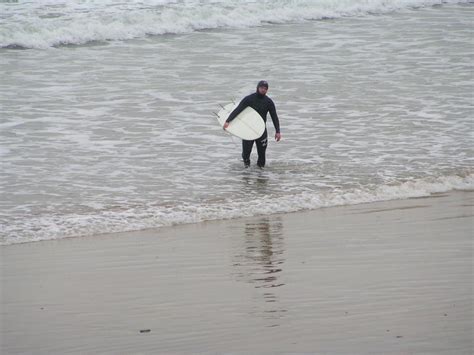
390,277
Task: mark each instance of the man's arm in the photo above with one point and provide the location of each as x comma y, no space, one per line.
276,121
243,104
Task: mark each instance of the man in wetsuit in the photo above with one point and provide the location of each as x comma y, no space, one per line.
261,103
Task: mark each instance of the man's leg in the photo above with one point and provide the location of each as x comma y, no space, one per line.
246,150
261,148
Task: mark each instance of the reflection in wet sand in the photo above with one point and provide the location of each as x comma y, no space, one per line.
259,261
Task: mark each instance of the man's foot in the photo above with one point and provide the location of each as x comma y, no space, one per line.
261,166
247,163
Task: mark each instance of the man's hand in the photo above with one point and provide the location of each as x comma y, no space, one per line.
226,125
277,137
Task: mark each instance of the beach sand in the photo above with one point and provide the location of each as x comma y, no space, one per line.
388,277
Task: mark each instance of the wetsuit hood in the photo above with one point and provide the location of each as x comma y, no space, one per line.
261,83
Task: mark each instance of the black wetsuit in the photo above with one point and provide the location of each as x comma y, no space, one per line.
262,104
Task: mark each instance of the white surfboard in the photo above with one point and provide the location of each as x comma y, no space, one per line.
247,125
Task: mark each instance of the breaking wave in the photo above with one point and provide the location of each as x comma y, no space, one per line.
48,23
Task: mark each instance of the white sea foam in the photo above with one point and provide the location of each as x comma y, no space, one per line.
154,216
47,23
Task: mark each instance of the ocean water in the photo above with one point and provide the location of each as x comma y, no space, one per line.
106,109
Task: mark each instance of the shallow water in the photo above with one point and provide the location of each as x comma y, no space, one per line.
115,136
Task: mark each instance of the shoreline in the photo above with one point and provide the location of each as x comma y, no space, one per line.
195,214
392,276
